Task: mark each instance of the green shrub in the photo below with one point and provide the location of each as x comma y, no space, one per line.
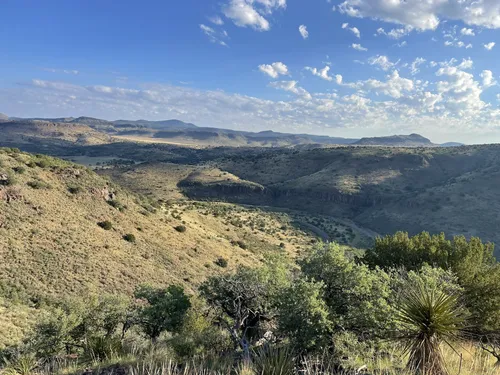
75,189
8,179
221,262
242,244
106,225
180,228
38,184
19,170
116,204
129,238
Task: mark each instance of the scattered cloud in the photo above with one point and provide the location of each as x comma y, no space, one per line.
488,79
353,30
303,31
381,61
322,73
415,64
489,46
395,33
358,47
64,71
216,20
457,43
214,36
250,13
425,15
274,70
452,105
468,32
293,87
395,86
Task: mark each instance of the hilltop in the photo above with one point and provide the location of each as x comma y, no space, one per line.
412,140
3,117
17,132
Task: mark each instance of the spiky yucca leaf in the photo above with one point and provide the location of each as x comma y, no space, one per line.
429,318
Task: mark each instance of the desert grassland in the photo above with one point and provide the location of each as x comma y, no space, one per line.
182,142
162,180
51,244
146,359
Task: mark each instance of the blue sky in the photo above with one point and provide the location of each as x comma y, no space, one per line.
341,67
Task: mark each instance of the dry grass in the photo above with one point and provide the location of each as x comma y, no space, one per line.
51,243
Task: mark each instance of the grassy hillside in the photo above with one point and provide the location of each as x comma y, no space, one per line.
52,243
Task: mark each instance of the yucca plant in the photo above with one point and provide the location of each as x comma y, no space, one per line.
429,318
270,360
25,364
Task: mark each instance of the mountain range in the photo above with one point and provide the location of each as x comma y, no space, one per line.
179,132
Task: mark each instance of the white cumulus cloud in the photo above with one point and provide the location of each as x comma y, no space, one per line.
358,47
489,46
381,61
293,87
426,15
303,31
322,73
250,13
274,70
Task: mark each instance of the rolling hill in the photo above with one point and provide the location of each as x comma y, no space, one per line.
64,230
412,140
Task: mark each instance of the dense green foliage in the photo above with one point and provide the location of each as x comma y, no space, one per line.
329,300
161,309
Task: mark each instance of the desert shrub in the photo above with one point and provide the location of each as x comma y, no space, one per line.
75,189
116,204
42,163
19,170
72,324
221,262
38,184
162,309
357,297
303,315
242,244
180,228
129,238
200,334
106,225
8,179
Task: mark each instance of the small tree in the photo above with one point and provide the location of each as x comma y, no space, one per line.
303,315
247,299
161,309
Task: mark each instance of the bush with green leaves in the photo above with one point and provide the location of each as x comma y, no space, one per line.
357,297
200,334
247,299
73,324
129,237
106,225
303,315
221,262
161,310
180,228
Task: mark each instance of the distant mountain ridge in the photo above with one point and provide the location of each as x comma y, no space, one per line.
180,132
412,140
3,117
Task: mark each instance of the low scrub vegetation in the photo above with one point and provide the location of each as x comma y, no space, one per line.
331,311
